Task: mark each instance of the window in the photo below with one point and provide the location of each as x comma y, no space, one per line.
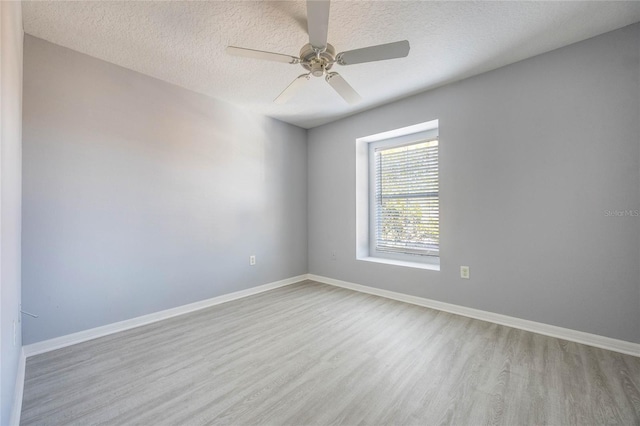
405,199
398,197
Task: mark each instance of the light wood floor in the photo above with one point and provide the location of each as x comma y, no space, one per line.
310,353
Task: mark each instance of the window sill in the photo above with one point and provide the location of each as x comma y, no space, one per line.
429,266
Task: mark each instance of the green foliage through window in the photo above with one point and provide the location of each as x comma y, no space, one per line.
407,202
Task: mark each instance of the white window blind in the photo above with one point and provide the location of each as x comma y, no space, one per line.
406,199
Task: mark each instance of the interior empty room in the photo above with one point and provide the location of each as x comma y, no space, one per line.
320,212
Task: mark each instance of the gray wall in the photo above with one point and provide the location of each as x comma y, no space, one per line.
532,155
10,200
141,196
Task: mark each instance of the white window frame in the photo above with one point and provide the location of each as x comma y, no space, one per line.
428,257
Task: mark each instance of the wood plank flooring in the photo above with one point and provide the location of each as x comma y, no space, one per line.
313,354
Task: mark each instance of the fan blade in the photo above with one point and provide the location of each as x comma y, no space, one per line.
343,88
260,54
292,89
381,52
318,22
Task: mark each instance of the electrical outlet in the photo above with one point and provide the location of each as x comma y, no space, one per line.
252,260
464,272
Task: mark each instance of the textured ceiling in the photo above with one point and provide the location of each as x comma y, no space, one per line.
183,43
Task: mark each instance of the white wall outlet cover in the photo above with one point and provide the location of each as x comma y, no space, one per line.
464,272
252,260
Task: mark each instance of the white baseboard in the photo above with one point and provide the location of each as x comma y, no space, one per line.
16,409
94,333
603,342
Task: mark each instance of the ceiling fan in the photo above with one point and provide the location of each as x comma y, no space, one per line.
318,56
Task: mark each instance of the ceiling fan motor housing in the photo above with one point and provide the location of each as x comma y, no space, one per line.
317,61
